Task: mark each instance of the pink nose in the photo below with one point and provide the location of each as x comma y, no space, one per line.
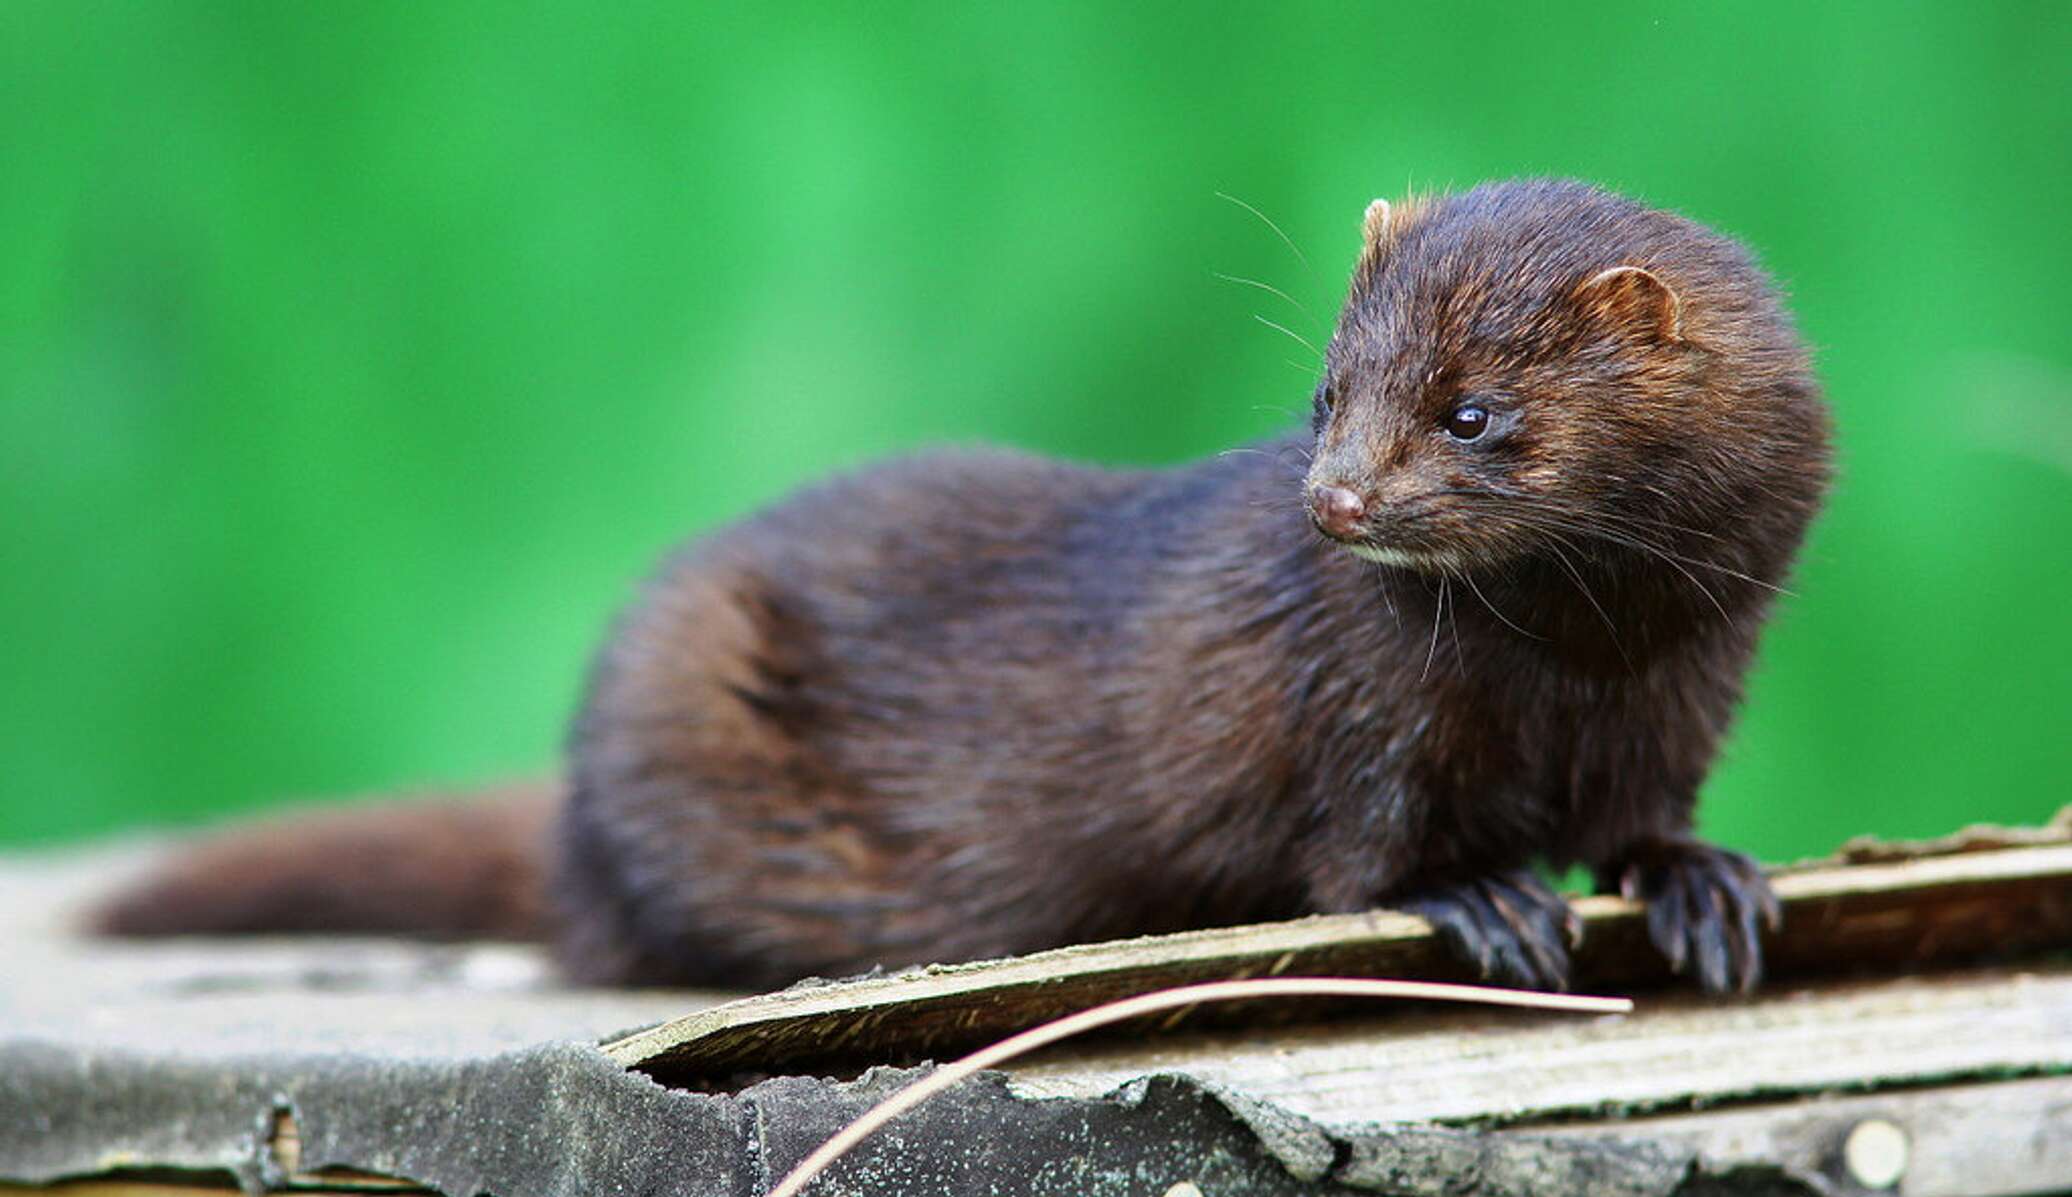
1337,511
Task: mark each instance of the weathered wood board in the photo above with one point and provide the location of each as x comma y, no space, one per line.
1899,915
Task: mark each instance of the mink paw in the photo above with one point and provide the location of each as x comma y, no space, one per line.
1511,926
1703,906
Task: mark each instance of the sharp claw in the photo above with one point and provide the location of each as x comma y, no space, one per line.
1703,910
1751,975
1747,940
1708,935
1541,916
1496,931
1766,902
1507,926
1528,941
1752,883
1668,921
1455,927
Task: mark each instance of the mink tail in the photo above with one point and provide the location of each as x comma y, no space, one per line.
471,866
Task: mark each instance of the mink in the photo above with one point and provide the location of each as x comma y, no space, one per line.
1490,611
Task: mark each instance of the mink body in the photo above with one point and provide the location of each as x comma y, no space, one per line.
1492,609
978,703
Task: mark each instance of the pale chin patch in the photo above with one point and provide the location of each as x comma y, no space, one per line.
1383,555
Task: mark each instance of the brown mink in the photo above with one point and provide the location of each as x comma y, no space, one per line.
1492,609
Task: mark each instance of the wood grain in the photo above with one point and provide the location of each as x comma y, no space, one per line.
1894,916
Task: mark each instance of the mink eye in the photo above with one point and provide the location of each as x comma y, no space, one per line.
1467,422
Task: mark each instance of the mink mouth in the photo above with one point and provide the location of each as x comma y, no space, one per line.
1367,544
1383,554
1367,547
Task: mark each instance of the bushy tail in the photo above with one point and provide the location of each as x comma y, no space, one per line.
469,867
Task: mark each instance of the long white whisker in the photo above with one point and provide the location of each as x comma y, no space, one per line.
1269,224
1667,557
1469,578
1573,520
1632,525
1286,331
1453,623
1433,650
1269,288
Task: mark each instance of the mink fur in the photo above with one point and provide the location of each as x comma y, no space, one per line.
1491,610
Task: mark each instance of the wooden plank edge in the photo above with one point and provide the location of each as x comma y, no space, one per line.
1975,1140
1919,912
1676,1052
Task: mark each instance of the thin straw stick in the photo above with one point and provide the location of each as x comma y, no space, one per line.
1167,999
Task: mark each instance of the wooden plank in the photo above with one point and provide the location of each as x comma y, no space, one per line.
1674,1052
1990,1140
1894,915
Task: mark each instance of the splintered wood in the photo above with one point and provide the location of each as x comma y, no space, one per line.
1975,898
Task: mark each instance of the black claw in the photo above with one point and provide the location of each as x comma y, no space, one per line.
1552,925
1707,932
1745,944
1667,925
1510,927
1703,907
1455,926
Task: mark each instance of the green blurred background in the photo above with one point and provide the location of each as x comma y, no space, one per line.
355,359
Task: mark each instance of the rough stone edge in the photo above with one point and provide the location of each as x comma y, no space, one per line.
560,1118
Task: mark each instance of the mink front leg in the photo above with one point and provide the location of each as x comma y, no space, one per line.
1510,926
1703,906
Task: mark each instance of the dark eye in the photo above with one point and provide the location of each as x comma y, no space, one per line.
1467,422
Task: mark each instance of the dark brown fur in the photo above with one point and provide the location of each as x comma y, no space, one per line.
979,703
435,868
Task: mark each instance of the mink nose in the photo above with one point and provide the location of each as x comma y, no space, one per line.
1337,511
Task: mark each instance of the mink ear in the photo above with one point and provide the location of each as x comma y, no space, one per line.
1376,222
1632,298
1378,230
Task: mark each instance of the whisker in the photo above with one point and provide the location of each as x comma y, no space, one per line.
1469,577
1606,526
1438,610
1289,332
1304,258
1544,521
1452,622
1542,501
1609,626
1634,522
1388,598
1269,288
1277,505
1614,537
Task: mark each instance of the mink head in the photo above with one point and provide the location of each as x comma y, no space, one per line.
1541,367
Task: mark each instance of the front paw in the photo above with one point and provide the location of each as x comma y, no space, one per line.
1703,905
1511,926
